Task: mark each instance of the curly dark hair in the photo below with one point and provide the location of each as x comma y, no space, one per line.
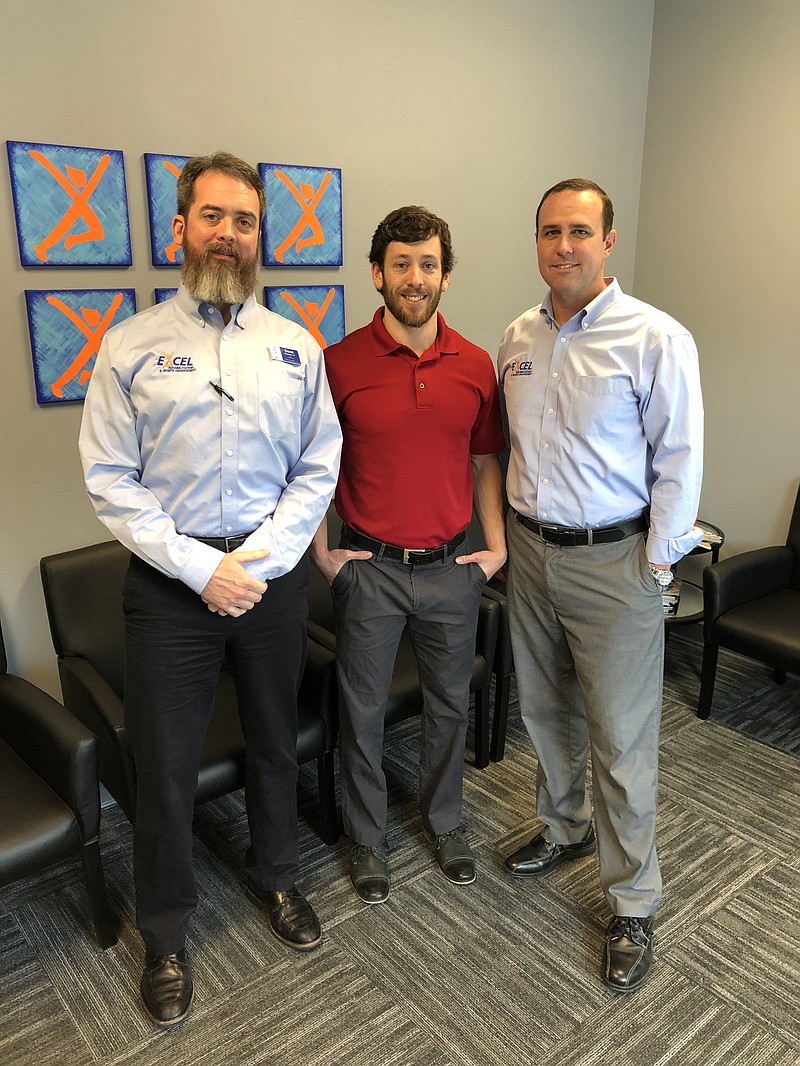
408,225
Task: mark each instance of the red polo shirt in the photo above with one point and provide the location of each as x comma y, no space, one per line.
410,426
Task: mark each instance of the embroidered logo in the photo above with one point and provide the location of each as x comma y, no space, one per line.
169,363
520,368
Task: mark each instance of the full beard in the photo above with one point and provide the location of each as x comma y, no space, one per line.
216,281
408,316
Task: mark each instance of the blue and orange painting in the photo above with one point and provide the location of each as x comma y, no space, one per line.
161,174
320,308
66,327
70,204
303,223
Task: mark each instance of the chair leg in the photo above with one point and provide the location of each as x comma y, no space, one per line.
500,717
105,920
330,830
707,677
482,727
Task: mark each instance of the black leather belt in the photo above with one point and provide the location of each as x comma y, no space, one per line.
224,544
578,538
409,556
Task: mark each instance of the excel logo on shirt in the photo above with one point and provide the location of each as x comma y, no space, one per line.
170,363
521,368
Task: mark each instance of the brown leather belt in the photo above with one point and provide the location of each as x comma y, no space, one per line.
579,538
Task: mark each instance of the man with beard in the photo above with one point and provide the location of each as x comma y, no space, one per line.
419,410
210,449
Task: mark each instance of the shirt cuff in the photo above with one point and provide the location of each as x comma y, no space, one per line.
202,564
666,552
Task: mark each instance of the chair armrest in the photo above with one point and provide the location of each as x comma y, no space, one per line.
504,659
745,577
90,698
61,750
488,629
320,635
318,688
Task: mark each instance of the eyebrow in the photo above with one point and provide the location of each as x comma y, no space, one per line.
221,211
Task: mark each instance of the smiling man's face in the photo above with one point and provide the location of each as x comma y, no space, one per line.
572,250
411,280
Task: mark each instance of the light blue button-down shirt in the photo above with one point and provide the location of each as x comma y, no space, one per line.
167,457
605,419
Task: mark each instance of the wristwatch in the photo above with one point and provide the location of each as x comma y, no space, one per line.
663,578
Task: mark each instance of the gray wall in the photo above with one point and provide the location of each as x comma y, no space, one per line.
525,92
471,108
719,241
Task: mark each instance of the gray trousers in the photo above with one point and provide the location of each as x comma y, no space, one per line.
587,632
375,602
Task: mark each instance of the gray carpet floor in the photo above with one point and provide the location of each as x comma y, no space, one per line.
500,972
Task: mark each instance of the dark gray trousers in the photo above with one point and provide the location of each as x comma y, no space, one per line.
375,602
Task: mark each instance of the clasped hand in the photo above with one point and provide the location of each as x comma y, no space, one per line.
231,590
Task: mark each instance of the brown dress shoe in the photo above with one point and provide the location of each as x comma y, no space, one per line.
540,856
291,917
167,989
628,954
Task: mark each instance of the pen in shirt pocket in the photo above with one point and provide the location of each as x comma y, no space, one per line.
219,389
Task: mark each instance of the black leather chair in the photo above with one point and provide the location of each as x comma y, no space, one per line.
751,605
405,694
503,671
83,594
49,793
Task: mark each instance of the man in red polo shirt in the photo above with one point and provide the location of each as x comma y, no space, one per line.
419,410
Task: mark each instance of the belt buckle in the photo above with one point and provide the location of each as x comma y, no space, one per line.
555,533
413,551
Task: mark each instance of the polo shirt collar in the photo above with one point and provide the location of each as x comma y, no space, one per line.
383,343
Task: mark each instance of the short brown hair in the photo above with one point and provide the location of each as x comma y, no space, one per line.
582,185
225,163
409,225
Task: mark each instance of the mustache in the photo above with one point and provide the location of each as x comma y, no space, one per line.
223,249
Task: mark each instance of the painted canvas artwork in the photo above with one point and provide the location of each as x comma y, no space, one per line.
66,327
320,308
163,294
70,204
303,223
161,174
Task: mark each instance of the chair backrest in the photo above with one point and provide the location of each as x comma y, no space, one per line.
793,540
83,595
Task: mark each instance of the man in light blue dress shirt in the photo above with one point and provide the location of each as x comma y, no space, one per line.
210,448
605,423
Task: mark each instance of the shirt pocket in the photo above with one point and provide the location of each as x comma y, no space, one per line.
602,407
280,402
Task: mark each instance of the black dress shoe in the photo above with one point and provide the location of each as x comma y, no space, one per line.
540,856
167,988
369,872
628,952
454,857
291,917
